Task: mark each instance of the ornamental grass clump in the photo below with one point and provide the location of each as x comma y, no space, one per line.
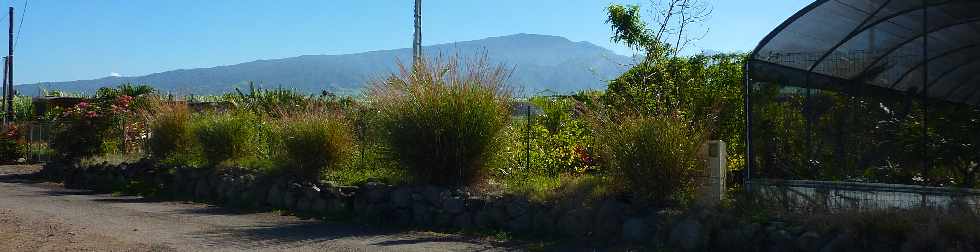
441,120
314,142
655,158
228,136
170,131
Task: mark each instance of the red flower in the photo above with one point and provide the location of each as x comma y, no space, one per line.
583,155
124,100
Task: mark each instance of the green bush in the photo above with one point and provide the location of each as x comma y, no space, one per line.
314,142
915,229
561,141
279,103
170,132
102,124
228,137
654,158
440,122
11,148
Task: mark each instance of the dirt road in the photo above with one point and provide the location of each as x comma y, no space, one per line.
41,216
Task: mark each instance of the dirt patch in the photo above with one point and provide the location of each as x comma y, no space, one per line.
19,169
23,234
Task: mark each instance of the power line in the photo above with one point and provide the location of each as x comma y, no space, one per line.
21,25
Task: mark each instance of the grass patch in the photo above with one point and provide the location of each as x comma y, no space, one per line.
228,136
656,158
170,132
571,188
312,143
367,164
109,159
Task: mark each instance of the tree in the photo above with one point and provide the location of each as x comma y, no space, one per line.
674,19
704,91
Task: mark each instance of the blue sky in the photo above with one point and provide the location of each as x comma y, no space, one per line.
73,39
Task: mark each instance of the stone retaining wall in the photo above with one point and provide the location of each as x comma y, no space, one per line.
609,221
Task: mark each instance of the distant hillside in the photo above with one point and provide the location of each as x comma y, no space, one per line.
540,62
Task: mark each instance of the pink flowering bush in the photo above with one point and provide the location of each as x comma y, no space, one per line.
97,126
12,146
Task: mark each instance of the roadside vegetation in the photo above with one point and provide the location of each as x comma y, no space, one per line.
455,123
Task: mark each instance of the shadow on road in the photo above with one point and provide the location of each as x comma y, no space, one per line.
306,233
21,178
128,199
69,192
216,210
283,234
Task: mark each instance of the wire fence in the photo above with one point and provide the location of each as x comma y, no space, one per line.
37,140
130,139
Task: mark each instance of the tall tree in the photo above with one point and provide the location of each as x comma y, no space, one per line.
417,40
672,33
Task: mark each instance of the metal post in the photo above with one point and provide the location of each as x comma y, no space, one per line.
4,103
527,137
925,92
748,124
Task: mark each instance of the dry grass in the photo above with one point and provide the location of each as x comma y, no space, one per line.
441,120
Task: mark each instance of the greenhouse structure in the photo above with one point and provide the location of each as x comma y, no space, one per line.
875,91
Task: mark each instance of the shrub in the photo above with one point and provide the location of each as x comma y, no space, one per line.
280,102
311,143
560,141
11,147
915,229
170,132
92,127
654,158
440,122
227,137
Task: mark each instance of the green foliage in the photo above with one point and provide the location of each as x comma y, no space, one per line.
917,229
23,108
863,136
703,89
283,102
441,123
655,158
228,137
312,143
170,132
558,140
11,145
628,27
574,189
98,125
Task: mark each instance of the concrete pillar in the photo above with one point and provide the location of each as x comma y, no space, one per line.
714,188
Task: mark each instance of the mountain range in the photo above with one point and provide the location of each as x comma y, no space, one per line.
539,63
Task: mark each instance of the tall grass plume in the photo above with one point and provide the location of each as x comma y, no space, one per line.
441,119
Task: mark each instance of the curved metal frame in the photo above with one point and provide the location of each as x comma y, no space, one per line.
861,28
868,22
914,38
930,60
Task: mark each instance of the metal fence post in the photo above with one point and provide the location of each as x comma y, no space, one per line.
527,137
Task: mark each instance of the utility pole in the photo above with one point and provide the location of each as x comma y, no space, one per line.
4,103
417,40
10,69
